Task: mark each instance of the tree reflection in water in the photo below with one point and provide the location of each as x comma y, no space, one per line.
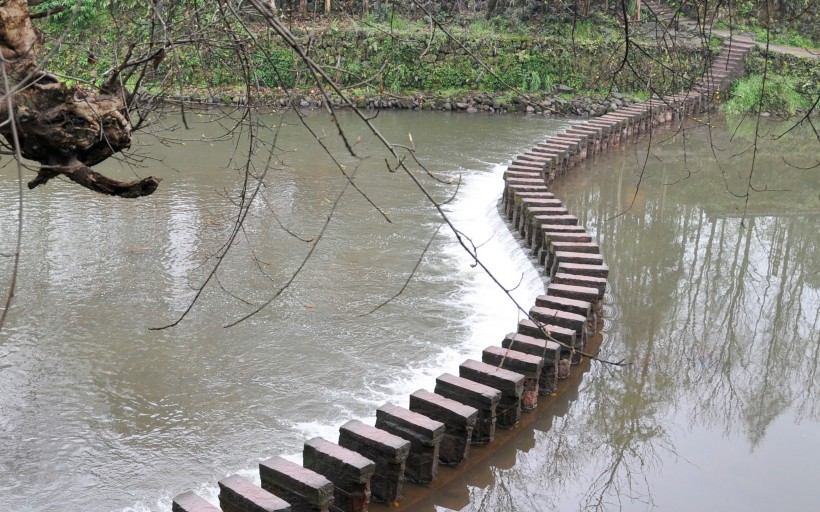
717,311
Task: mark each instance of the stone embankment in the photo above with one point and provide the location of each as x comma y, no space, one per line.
562,100
407,444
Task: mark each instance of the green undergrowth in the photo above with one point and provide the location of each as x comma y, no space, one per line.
778,94
386,53
785,37
484,58
785,22
792,84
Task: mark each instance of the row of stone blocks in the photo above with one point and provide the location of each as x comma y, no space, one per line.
439,427
555,156
573,263
372,462
572,260
552,232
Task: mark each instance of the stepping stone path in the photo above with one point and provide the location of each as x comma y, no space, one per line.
371,462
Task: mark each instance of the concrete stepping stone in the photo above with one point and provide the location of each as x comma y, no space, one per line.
388,451
528,365
305,490
349,471
549,352
562,335
190,502
511,385
578,280
479,396
601,270
238,494
459,421
579,307
424,434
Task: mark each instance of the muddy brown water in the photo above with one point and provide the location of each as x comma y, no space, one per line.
718,318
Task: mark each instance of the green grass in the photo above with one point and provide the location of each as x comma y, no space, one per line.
481,28
642,94
786,37
781,96
794,39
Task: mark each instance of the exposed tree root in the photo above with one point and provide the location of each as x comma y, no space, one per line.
66,129
92,180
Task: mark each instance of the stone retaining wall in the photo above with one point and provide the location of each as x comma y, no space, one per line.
437,428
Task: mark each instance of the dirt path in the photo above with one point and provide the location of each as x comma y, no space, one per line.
776,48
669,19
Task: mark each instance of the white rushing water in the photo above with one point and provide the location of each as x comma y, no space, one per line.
490,313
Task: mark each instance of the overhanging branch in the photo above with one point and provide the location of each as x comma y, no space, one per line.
92,180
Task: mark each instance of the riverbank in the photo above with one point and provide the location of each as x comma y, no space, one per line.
551,62
586,90
564,100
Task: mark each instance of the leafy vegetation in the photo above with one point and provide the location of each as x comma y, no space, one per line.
389,50
779,95
787,22
84,14
785,36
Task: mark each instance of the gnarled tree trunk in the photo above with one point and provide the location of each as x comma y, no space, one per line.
67,130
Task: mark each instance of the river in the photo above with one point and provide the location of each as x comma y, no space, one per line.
99,413
718,319
715,305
